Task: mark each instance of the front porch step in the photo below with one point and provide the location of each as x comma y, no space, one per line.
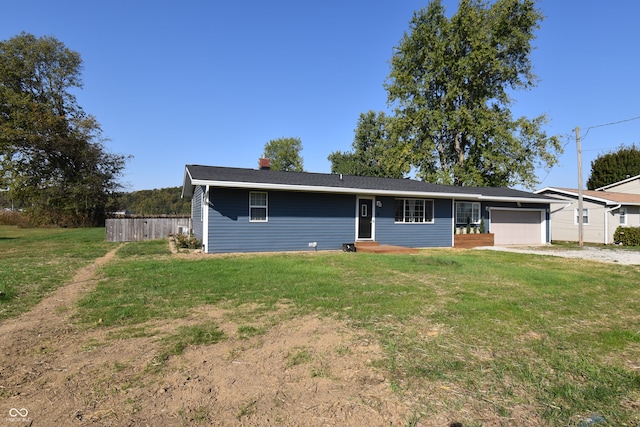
376,247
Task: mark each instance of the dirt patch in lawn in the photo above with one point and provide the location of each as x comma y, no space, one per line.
310,371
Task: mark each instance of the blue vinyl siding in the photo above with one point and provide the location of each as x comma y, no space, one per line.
196,212
416,235
294,220
297,218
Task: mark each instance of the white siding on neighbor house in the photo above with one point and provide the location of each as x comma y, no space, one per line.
603,222
633,217
631,187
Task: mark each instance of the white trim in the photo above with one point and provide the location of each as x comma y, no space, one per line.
543,220
455,212
265,207
205,219
373,192
615,184
184,187
626,213
574,193
404,199
575,216
373,219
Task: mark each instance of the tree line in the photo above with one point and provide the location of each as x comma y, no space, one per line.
163,201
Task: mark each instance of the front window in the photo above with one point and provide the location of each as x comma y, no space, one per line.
414,210
257,207
623,216
467,212
585,216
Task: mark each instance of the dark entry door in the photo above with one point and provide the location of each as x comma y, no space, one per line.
365,215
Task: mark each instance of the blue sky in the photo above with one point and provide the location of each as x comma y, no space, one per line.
210,82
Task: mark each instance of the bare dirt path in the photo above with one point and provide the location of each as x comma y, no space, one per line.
308,371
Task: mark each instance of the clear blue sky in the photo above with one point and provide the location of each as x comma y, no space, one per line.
210,82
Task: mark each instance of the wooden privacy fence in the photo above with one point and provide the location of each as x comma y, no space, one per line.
139,229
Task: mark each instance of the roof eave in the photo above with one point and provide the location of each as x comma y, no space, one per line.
606,202
517,199
615,184
187,185
322,189
376,192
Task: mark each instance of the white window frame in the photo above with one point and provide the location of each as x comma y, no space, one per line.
425,202
623,216
475,208
259,206
585,216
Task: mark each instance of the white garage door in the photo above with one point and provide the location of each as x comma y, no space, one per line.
516,227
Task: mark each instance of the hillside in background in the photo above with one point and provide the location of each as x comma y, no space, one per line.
163,201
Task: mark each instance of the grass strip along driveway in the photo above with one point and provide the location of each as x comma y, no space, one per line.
508,334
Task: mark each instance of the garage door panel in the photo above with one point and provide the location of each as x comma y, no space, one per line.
516,227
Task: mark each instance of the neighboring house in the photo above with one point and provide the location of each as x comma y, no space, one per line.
251,210
630,185
603,211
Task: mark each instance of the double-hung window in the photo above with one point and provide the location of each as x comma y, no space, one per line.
467,212
585,216
414,211
258,206
623,216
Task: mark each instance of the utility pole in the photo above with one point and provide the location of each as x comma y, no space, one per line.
580,208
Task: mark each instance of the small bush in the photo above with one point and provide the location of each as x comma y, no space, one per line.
14,218
187,241
627,236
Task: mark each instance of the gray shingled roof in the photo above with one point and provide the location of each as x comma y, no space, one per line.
230,177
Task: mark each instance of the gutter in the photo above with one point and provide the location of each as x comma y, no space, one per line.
343,190
562,208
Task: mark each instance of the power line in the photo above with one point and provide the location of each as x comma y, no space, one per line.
568,136
609,124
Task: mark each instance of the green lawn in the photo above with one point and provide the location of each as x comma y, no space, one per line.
33,262
500,331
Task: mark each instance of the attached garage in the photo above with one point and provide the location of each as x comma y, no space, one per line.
517,227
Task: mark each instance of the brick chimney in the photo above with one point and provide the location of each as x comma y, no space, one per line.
265,164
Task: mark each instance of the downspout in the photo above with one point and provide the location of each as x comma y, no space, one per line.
606,222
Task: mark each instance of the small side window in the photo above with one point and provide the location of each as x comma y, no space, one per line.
258,207
585,216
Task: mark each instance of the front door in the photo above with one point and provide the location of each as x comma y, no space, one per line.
365,218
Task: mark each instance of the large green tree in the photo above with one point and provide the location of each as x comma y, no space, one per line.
52,153
613,167
284,154
450,85
375,150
